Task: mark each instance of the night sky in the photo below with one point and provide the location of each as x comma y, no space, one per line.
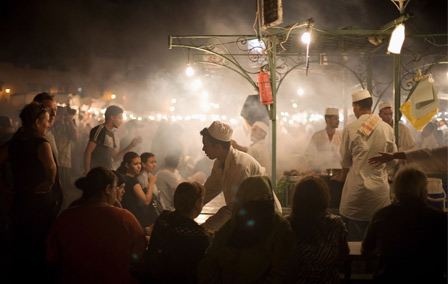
45,32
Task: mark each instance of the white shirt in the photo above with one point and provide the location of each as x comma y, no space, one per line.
167,183
227,178
322,153
366,189
405,140
261,153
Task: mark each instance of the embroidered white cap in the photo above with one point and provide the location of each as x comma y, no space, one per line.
360,95
332,111
384,105
263,126
220,131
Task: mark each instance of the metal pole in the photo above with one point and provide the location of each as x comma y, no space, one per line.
344,97
273,71
397,94
369,74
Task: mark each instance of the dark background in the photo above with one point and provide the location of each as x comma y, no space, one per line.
44,33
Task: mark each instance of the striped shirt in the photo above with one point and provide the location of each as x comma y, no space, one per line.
318,261
105,144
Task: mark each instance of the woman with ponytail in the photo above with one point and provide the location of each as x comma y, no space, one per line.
95,241
135,199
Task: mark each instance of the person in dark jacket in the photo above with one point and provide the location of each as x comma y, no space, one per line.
409,236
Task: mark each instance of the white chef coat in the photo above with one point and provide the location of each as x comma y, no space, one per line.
405,140
227,178
261,153
366,189
322,153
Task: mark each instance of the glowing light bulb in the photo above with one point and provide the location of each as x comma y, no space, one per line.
396,40
300,92
113,96
189,71
197,83
306,38
173,101
7,91
172,108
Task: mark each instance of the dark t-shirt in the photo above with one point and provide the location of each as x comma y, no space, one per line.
105,144
131,202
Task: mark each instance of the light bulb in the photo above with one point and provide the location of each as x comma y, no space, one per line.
189,71
306,37
396,39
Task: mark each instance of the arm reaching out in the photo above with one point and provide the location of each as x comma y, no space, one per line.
386,157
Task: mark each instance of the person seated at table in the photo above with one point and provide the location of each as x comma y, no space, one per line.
409,236
321,238
95,241
120,192
135,199
254,245
177,242
120,184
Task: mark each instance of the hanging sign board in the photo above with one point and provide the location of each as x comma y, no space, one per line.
272,13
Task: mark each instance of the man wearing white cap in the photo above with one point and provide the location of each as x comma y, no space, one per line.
366,188
405,140
230,169
259,149
323,150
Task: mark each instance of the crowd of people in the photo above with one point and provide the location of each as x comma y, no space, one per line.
137,222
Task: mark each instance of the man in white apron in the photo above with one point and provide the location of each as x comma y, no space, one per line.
366,189
323,150
230,169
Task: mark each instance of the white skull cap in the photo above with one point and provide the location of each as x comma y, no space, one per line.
263,126
384,105
332,111
220,131
360,95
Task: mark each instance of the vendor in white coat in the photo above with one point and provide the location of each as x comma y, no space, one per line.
405,140
323,150
230,169
366,189
259,149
